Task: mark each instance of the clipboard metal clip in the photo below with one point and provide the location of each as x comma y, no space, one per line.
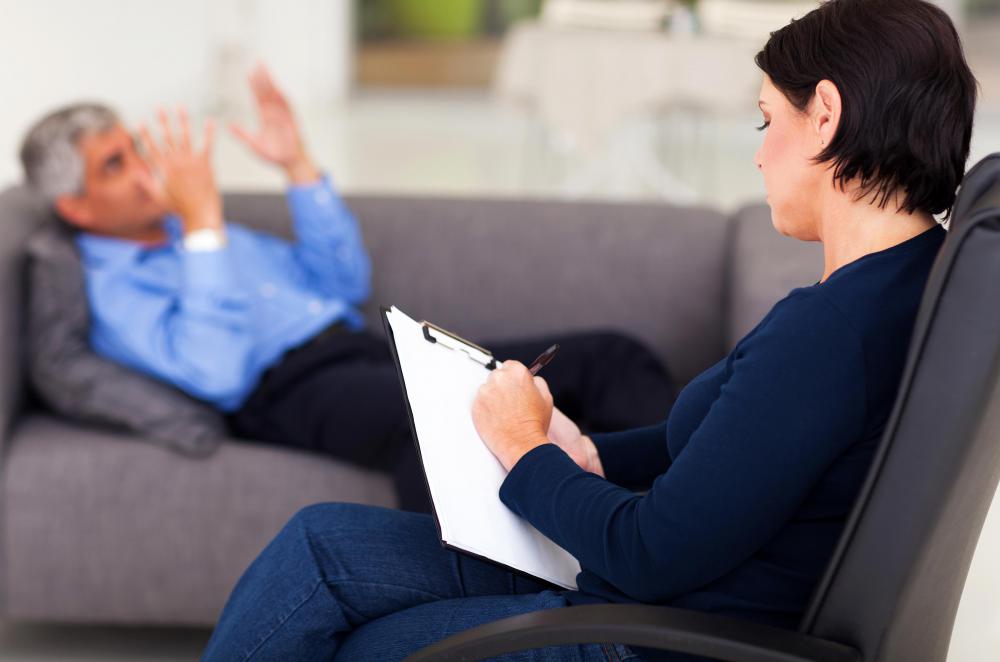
435,334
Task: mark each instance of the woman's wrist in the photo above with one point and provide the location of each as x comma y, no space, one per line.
514,452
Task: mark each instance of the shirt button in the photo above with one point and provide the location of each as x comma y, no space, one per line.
315,307
267,290
323,197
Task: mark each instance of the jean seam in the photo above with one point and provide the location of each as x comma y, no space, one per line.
348,610
630,654
281,621
611,652
338,582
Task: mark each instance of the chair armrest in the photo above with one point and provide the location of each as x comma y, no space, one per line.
663,628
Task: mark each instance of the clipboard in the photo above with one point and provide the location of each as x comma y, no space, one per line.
439,372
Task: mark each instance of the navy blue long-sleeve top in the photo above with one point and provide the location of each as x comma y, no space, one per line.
752,476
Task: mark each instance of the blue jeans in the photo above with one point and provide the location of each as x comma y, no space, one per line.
351,583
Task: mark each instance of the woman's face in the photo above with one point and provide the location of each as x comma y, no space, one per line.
793,183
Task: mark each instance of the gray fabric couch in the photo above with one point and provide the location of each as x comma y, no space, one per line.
100,527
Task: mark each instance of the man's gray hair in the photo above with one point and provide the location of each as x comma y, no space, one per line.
53,166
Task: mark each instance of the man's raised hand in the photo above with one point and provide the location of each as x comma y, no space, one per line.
187,183
277,138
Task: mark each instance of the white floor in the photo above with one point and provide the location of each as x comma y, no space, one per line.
465,144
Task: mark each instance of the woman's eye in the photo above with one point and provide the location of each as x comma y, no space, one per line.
764,126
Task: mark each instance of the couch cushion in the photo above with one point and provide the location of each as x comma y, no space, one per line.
79,384
100,529
764,267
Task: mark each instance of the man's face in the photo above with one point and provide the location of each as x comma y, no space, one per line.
119,193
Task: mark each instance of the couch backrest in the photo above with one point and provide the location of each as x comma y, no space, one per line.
501,268
688,281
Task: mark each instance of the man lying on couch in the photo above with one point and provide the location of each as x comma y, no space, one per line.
266,330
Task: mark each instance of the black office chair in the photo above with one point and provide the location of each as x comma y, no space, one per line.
892,587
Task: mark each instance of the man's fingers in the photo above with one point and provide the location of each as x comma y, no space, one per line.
268,84
243,134
149,146
257,86
263,86
185,122
208,136
149,182
165,128
265,76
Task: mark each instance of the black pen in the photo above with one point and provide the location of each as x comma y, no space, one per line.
543,359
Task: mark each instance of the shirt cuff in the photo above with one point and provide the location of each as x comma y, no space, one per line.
320,193
537,470
204,240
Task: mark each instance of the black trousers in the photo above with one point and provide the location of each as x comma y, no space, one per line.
339,394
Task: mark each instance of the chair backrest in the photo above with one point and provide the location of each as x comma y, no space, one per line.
893,585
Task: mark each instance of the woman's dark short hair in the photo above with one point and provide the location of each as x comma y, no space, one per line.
907,94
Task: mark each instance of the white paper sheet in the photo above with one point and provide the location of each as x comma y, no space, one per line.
463,475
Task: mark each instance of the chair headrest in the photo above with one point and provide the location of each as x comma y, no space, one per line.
980,188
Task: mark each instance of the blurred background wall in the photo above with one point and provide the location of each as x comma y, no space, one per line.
647,99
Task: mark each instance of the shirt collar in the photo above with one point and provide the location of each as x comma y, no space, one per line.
113,250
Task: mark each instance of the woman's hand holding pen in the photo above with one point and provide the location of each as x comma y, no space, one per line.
513,414
512,411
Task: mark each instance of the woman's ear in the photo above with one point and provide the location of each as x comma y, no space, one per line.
826,111
74,210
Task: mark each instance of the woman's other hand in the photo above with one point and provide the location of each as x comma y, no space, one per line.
512,411
565,434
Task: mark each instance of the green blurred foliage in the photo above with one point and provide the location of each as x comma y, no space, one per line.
440,19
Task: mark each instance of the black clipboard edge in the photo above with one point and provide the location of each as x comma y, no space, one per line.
391,338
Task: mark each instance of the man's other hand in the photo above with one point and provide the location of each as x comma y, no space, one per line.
185,173
277,138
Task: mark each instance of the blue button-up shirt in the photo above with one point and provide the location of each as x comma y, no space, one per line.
211,322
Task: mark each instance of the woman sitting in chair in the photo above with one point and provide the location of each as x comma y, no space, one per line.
744,490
